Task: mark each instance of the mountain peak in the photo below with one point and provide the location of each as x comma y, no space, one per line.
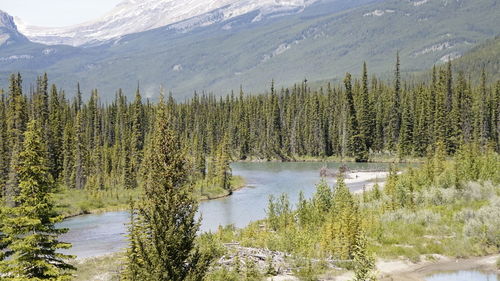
7,21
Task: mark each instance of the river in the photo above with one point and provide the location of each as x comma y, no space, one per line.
99,234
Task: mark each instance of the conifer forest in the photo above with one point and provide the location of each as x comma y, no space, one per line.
159,157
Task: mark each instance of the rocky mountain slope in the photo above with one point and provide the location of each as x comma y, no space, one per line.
133,16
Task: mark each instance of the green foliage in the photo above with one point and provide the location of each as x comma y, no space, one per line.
30,224
163,227
435,208
364,263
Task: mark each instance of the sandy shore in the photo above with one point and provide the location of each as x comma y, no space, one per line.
358,177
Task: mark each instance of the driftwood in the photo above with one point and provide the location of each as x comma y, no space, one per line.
265,260
324,172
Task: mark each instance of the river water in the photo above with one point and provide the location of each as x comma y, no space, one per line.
95,235
463,275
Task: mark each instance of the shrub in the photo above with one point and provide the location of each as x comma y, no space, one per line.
484,226
422,217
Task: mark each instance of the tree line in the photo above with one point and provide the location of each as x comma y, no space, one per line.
47,139
92,146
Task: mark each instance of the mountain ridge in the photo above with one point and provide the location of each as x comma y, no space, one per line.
322,42
131,16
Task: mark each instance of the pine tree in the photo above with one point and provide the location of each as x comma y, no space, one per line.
78,176
31,223
405,146
365,111
357,140
68,156
223,170
54,137
138,132
364,263
129,174
134,268
16,125
167,212
4,151
4,239
395,111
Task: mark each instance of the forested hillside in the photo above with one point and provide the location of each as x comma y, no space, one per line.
321,42
484,56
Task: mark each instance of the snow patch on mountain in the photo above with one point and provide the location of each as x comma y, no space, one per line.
133,16
378,13
419,3
449,57
16,57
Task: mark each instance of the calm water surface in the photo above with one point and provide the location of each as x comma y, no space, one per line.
465,275
94,235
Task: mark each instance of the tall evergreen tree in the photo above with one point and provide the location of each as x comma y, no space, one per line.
16,125
167,247
30,225
365,111
357,140
395,111
54,135
4,145
78,176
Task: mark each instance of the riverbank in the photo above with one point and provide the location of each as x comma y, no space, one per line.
72,203
107,268
237,183
378,158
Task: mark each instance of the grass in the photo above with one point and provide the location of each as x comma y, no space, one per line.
76,202
207,191
105,268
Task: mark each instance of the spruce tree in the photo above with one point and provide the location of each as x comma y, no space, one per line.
395,109
365,111
30,225
54,135
4,151
16,125
167,249
357,140
405,146
68,156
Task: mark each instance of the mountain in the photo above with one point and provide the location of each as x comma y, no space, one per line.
9,35
321,41
133,16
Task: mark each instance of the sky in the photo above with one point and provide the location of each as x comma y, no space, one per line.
57,13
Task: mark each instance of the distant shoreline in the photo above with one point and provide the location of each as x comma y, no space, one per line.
240,183
373,159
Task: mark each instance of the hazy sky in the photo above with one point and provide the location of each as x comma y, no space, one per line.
57,12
